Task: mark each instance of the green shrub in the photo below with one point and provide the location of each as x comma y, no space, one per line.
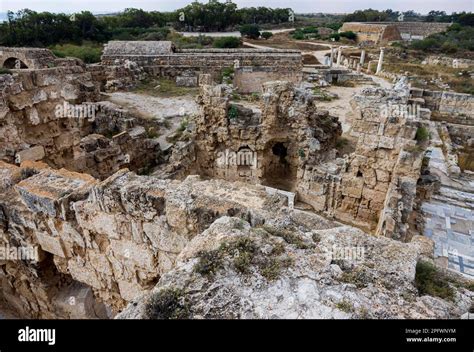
341,142
298,35
310,30
349,35
250,31
159,34
425,44
335,36
430,281
301,153
422,134
87,52
345,306
449,48
267,35
233,112
227,74
227,42
5,71
167,304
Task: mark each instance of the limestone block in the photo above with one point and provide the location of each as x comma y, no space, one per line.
50,244
386,142
138,254
83,272
163,239
372,195
34,153
129,290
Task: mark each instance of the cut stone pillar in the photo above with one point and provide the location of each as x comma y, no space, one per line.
362,57
332,57
379,65
339,54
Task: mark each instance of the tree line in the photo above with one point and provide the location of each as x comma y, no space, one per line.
30,28
371,15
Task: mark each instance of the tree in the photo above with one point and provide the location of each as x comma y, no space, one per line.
267,35
250,31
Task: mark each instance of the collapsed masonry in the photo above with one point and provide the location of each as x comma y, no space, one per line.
106,237
106,244
291,146
55,115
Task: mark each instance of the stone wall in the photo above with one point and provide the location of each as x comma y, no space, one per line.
274,141
449,106
419,30
32,58
290,144
53,115
448,61
374,187
377,33
209,61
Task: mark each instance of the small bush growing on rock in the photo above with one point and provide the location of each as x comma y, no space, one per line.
270,269
27,173
301,153
227,74
345,306
422,134
233,112
152,133
429,280
267,35
288,236
168,304
355,277
341,142
243,254
209,263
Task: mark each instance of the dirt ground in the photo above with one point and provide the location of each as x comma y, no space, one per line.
169,111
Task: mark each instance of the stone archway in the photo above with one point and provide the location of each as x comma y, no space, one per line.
279,167
14,63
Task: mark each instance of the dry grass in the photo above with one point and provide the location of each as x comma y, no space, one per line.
165,88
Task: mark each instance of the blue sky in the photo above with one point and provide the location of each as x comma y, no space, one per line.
332,6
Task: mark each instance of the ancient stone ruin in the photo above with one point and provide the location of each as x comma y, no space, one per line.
266,196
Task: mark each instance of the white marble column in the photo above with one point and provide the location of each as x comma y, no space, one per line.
362,57
339,53
332,56
379,65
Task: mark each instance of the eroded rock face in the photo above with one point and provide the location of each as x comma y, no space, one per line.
264,272
117,236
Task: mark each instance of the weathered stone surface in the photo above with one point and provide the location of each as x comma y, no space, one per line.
310,285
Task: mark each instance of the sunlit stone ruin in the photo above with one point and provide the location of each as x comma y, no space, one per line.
242,198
